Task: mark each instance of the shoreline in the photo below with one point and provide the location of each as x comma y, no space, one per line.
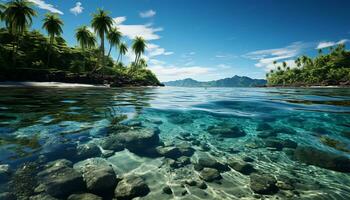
6,84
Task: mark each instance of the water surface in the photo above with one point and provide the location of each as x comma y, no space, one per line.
34,121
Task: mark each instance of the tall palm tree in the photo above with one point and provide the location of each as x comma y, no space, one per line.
18,16
101,23
284,64
53,26
138,46
2,10
143,63
85,38
123,48
113,37
320,51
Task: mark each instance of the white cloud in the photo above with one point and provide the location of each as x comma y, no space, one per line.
131,31
265,58
43,5
119,20
147,13
326,44
226,56
77,9
167,73
154,50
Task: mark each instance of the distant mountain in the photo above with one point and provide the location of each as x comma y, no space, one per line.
236,81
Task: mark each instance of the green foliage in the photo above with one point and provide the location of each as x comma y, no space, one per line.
325,69
39,56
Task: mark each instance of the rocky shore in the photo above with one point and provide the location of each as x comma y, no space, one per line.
42,75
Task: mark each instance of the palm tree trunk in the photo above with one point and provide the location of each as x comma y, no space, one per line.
84,62
110,49
118,57
49,51
103,50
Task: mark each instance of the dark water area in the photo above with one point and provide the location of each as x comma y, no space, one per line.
174,143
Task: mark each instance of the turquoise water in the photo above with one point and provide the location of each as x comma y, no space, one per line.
299,136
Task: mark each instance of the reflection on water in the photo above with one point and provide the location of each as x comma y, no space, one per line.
301,136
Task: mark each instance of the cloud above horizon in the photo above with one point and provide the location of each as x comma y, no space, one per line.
147,31
147,13
326,44
77,9
45,6
265,58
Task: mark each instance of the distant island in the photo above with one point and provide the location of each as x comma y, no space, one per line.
29,55
235,81
330,68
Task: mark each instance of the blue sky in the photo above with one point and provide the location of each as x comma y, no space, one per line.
213,39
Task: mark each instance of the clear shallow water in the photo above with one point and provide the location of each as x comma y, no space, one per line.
35,121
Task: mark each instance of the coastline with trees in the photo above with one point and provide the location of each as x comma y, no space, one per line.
29,55
331,67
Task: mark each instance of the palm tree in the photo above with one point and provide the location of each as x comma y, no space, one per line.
123,48
320,51
53,25
284,64
2,9
85,38
138,46
143,63
101,23
113,37
18,16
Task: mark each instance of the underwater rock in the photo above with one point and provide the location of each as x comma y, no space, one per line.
191,182
185,149
98,174
167,190
130,187
139,141
263,127
55,149
179,118
107,153
169,152
7,196
227,132
263,183
274,143
336,144
88,150
5,173
241,166
287,143
266,134
209,162
112,143
210,174
84,196
42,197
183,161
323,159
60,180
202,185
248,159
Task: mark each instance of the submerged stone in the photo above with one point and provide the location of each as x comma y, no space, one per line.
130,187
5,173
227,132
263,127
210,162
98,174
88,151
60,180
323,159
263,183
210,174
41,197
167,190
241,166
84,196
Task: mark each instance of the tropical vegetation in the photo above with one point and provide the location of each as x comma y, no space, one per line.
28,54
330,67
